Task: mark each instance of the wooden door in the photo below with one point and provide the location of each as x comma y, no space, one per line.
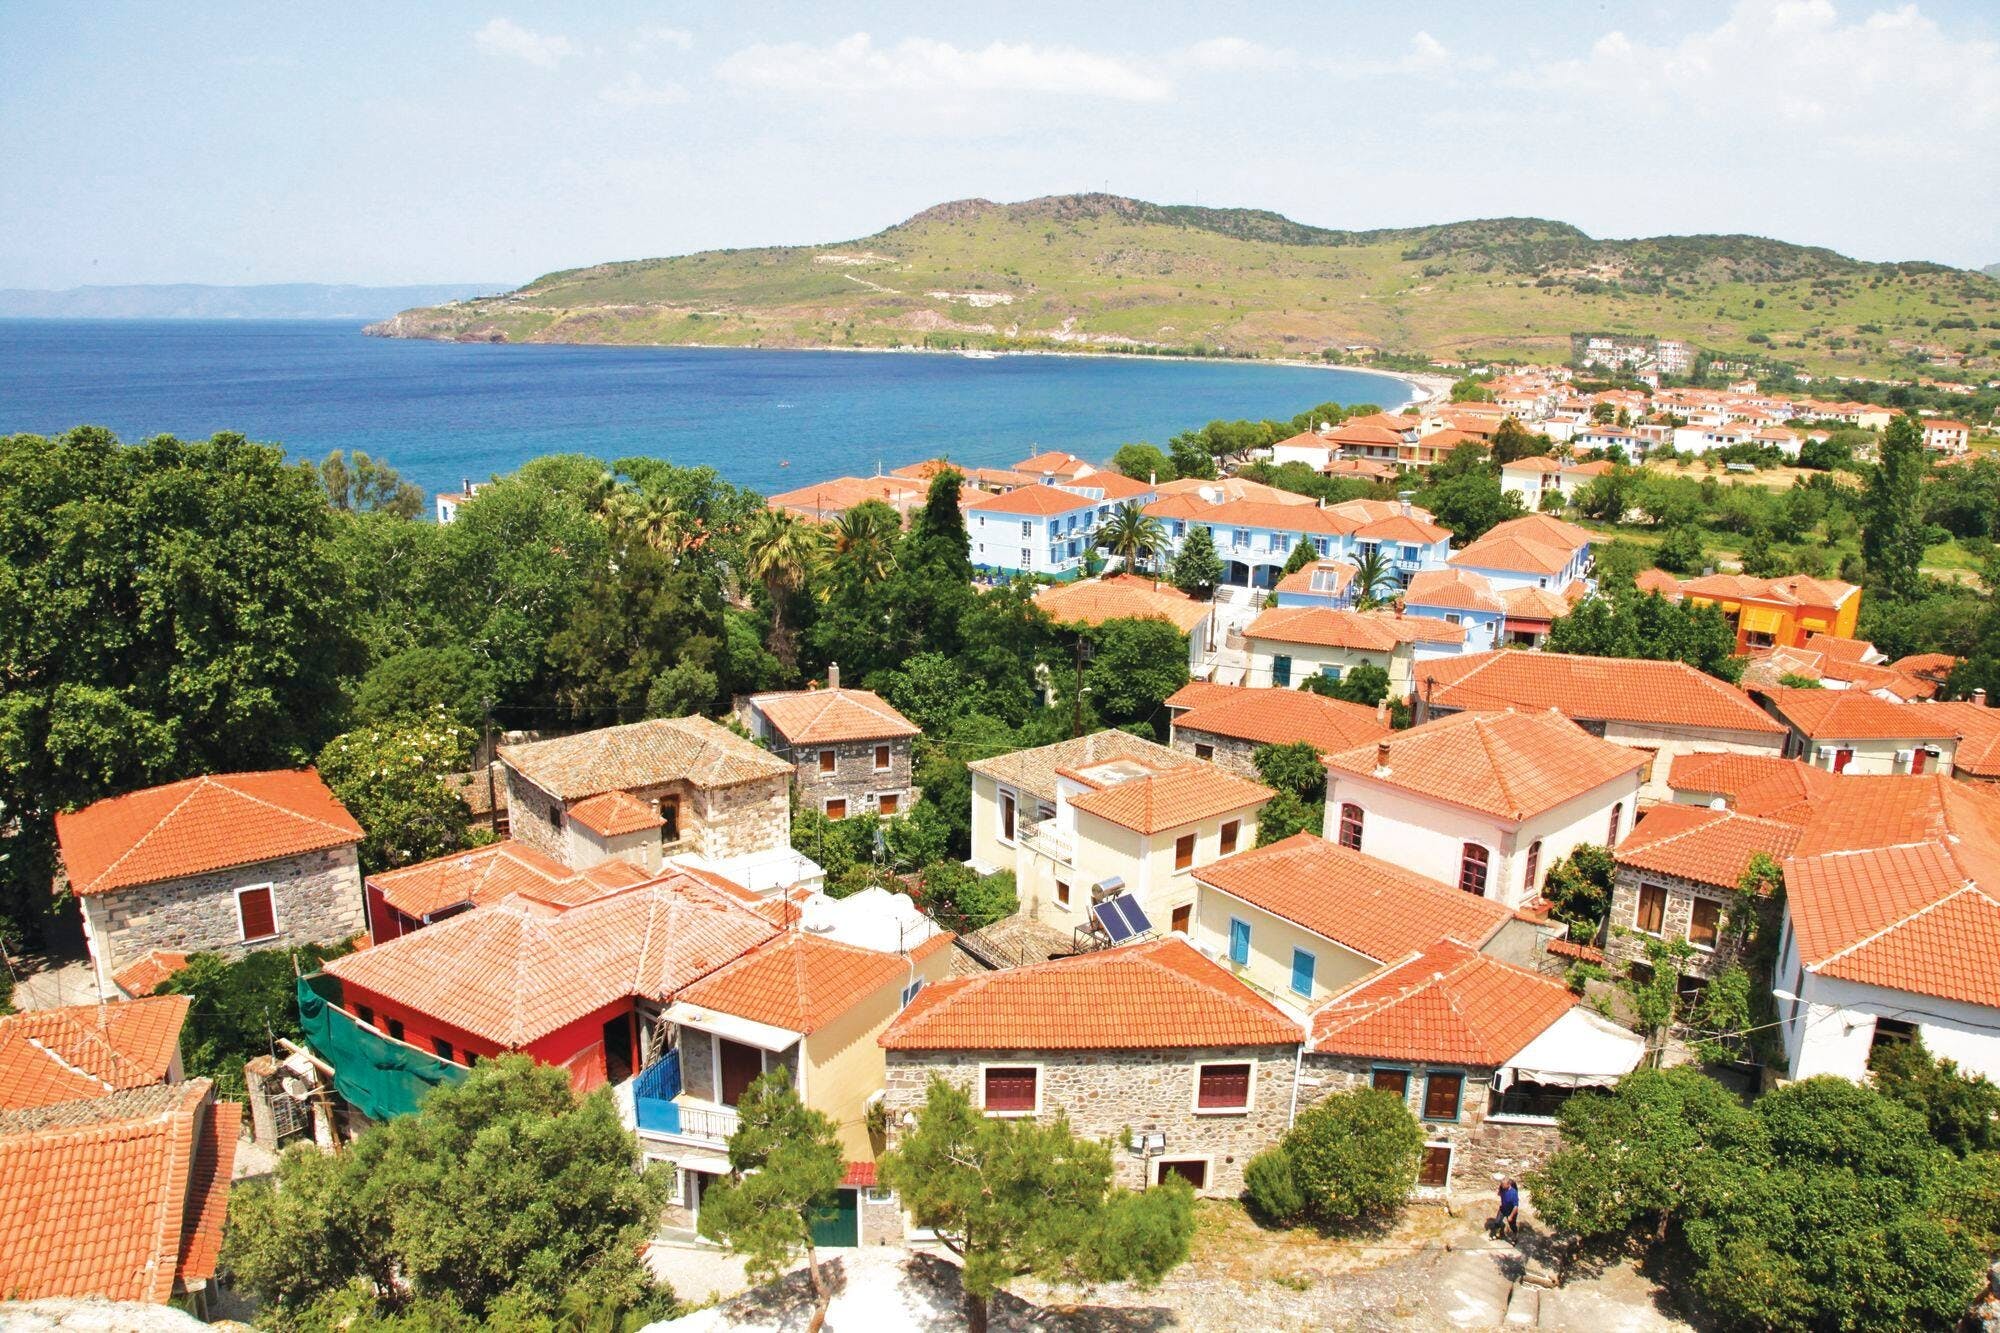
1191,1169
740,1066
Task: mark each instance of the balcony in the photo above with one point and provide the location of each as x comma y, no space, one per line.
1044,838
652,1103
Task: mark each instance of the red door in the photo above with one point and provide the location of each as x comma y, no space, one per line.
1917,758
740,1067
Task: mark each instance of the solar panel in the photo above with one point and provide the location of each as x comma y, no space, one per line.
1134,915
1112,920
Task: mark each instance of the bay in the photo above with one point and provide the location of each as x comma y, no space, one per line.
442,413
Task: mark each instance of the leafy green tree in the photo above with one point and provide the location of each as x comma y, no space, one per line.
239,1007
646,612
503,1197
1189,457
683,688
1302,555
1354,1155
1630,624
1018,1198
1372,580
1961,1110
955,891
1142,462
1681,552
1285,814
1894,534
1618,563
1132,536
1471,390
1272,1185
861,544
1579,888
835,845
1514,441
368,485
1471,504
1294,768
1365,684
785,1162
781,551
425,682
1133,666
390,778
1196,569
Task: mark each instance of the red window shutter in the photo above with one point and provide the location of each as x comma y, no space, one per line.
259,920
1224,1087
1010,1089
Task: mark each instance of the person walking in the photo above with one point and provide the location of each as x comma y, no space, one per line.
1508,1222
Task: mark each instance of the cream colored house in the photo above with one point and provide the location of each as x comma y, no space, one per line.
1289,645
1852,731
1108,813
1485,801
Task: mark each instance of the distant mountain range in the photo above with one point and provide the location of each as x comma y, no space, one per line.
1099,271
282,300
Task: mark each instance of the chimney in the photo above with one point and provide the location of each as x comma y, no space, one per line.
1381,718
1152,478
833,675
1979,696
1381,757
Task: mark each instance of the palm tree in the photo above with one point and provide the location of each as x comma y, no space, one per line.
864,541
1131,536
1371,575
781,551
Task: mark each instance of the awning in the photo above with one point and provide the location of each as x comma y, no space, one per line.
743,1031
1762,620
1582,1049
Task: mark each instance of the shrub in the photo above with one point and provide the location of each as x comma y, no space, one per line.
1273,1187
1354,1155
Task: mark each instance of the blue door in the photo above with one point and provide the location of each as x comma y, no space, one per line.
1239,941
1302,972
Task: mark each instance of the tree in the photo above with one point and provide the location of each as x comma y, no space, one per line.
1354,1155
1471,504
1371,577
1134,665
1015,1198
390,778
1294,768
1303,554
1681,552
862,545
422,682
239,1007
1961,1110
1132,536
785,1162
1365,684
504,1197
1512,441
683,688
644,613
1632,624
1142,462
1894,533
1579,888
1189,457
368,485
971,900
1285,814
1196,569
781,550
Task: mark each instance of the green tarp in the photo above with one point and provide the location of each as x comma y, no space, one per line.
380,1078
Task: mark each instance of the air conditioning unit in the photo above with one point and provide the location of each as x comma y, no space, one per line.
1905,756
1824,752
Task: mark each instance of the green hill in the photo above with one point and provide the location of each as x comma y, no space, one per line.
1100,271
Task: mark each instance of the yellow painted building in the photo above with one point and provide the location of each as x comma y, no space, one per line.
1778,613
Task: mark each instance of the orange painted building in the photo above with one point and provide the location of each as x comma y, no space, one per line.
1778,613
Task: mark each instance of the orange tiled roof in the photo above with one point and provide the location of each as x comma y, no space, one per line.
1658,581
143,976
117,1197
1913,917
613,813
1120,597
642,754
1514,765
1116,486
840,494
798,982
1172,798
1302,579
833,715
1158,995
1597,689
1034,770
1838,649
1789,590
1534,604
1372,906
1856,715
1232,488
1445,1003
487,874
1978,752
1272,515
1328,627
61,1055
1282,717
1703,845
1454,590
1754,784
199,825
1038,499
1055,463
1867,811
1403,528
1927,666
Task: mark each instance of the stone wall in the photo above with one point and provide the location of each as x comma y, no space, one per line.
315,895
718,822
1109,1092
1229,752
1481,1148
528,810
854,778
1625,944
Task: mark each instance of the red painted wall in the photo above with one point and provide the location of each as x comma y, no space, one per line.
561,1047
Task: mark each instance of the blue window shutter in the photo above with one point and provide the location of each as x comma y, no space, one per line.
1281,670
1302,972
1239,941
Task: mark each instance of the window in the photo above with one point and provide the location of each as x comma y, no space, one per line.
1231,829
1532,879
1435,1173
670,819
1472,859
1617,817
1303,965
1223,1088
555,817
1183,919
880,1194
1027,558
1704,923
1062,893
1441,1096
881,759
1184,851
442,1047
1330,672
364,1014
910,991
1007,816
1202,751
1391,1080
395,1029
888,803
1350,826
256,915
1027,527
829,761
1239,941
1194,1170
836,807
1011,1089
1281,670
1652,909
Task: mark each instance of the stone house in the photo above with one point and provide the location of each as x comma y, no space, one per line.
1482,1051
648,792
850,750
1676,877
225,863
1228,724
1150,1038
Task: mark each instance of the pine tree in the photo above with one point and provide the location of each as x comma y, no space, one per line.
1892,535
1197,568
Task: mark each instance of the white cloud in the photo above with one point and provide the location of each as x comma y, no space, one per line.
855,67
634,92
504,37
1427,57
672,39
1235,53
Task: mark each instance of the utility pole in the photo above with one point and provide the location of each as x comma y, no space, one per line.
492,794
1076,694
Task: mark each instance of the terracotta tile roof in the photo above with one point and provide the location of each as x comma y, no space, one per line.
1534,604
1857,813
1790,590
114,1197
519,969
1361,512
1978,752
199,825
1753,784
1596,689
1310,520
488,874
833,715
1158,995
1034,771
1037,500
1200,694
1855,715
613,813
141,977
1533,544
1282,717
1372,906
1114,486
1571,949
1403,528
1055,463
1453,590
798,982
1314,577
1703,845
1120,597
1327,627
1445,1003
1930,666
1514,765
1172,798
1909,918
1658,581
833,497
1232,488
1837,649
61,1055
642,754
860,1175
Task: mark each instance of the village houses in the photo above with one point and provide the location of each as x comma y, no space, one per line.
1848,731
850,750
1228,724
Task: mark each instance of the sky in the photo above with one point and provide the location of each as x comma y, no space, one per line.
492,142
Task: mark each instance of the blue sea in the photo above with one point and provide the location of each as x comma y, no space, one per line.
771,420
